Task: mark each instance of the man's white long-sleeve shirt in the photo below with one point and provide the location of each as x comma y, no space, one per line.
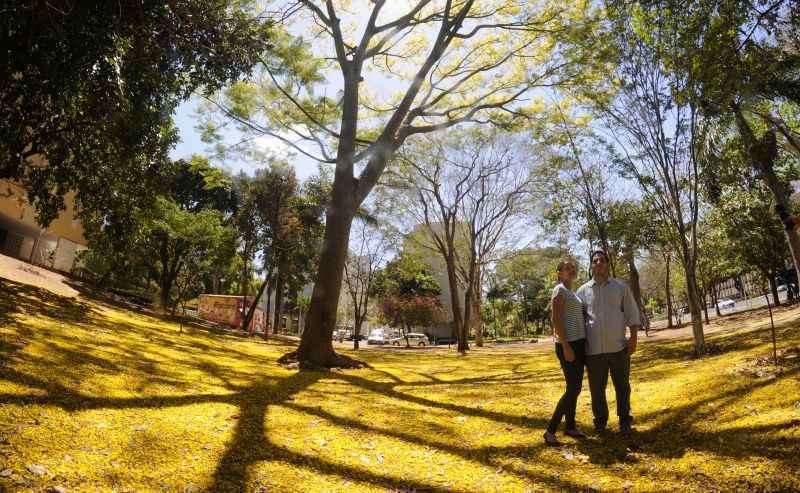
610,307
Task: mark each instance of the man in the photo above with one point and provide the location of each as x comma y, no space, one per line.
610,307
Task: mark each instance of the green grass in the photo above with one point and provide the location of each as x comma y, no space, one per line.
107,399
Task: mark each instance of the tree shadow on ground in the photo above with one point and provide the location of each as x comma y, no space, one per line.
17,299
675,432
671,435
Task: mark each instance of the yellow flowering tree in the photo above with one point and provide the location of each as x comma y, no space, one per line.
348,82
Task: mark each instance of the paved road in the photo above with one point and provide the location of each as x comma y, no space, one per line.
740,306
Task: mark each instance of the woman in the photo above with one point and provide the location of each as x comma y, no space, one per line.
570,335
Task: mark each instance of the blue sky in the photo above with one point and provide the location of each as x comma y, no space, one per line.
190,143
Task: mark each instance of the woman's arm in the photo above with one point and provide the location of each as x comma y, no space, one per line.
557,317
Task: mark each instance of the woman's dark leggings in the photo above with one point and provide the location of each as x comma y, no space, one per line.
573,374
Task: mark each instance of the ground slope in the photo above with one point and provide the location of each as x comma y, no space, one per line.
95,397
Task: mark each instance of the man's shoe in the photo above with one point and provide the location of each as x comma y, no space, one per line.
626,428
550,439
575,433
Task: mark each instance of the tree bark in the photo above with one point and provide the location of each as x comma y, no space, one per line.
455,301
774,288
476,308
668,288
267,314
705,305
279,285
636,287
250,312
356,333
316,346
694,308
715,299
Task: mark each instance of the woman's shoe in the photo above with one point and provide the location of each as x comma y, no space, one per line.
575,433
550,439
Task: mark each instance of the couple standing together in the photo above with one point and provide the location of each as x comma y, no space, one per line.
589,328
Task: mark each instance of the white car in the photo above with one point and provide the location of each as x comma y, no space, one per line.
725,303
376,337
414,339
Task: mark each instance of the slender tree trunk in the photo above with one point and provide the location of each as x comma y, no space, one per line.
279,282
774,288
251,312
636,288
694,308
715,299
267,309
476,309
455,301
668,289
245,276
357,331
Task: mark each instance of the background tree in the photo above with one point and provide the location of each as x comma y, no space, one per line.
275,191
654,132
742,58
468,191
368,251
249,228
87,92
527,276
176,239
407,293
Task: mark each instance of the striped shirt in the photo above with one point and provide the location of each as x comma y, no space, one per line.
572,318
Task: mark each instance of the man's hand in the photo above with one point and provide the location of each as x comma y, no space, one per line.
631,346
569,354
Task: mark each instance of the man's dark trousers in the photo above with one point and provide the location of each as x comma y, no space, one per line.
599,366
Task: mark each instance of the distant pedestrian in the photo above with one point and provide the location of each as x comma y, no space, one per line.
610,308
567,317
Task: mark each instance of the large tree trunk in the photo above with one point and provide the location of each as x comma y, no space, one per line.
316,346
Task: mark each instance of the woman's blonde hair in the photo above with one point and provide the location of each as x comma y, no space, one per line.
565,262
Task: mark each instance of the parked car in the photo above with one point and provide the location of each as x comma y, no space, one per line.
725,303
784,287
377,337
350,336
414,339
